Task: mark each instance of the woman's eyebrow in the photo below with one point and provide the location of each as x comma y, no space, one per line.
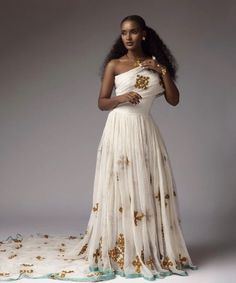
130,29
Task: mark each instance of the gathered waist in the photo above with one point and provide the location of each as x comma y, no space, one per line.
131,110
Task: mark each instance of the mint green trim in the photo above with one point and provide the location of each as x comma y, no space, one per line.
107,274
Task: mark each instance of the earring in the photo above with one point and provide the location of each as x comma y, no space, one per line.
143,38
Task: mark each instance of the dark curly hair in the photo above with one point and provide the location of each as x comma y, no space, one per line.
152,46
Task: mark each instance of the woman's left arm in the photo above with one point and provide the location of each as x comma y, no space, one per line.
171,91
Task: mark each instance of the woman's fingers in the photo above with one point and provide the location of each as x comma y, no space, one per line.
134,96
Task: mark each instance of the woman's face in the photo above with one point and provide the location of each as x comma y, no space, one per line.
131,35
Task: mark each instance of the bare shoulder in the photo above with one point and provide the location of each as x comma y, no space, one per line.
111,67
119,64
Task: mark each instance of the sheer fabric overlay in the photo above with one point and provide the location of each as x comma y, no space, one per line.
134,229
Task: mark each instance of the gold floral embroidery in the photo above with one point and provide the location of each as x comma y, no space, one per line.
95,208
117,253
98,253
64,272
166,262
4,273
83,249
40,257
150,263
27,268
97,273
137,217
137,264
123,161
12,256
72,237
121,209
181,261
142,81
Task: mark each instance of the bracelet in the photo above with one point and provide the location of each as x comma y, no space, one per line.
163,71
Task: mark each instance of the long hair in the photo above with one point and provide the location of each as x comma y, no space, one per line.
153,45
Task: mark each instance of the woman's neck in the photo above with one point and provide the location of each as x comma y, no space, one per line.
135,54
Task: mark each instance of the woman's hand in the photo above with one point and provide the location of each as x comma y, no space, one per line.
131,96
153,64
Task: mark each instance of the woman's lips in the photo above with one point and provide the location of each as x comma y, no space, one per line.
129,43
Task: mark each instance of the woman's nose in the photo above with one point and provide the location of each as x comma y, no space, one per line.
128,36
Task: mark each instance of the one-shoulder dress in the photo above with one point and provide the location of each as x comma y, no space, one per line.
134,228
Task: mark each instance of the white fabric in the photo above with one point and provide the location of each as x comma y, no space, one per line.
134,227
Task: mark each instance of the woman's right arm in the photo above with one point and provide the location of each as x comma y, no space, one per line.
105,101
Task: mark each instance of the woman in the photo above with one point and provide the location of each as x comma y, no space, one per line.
134,227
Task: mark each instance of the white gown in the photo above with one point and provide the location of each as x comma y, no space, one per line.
134,229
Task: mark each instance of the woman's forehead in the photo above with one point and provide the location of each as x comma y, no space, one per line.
129,25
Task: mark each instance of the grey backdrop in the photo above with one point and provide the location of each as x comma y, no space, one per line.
50,126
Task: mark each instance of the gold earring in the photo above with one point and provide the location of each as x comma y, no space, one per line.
143,38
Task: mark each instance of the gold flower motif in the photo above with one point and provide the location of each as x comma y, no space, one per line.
95,208
96,273
83,249
12,256
64,272
27,269
137,217
4,273
40,257
150,263
181,261
98,252
123,161
117,253
72,237
166,262
142,82
137,264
